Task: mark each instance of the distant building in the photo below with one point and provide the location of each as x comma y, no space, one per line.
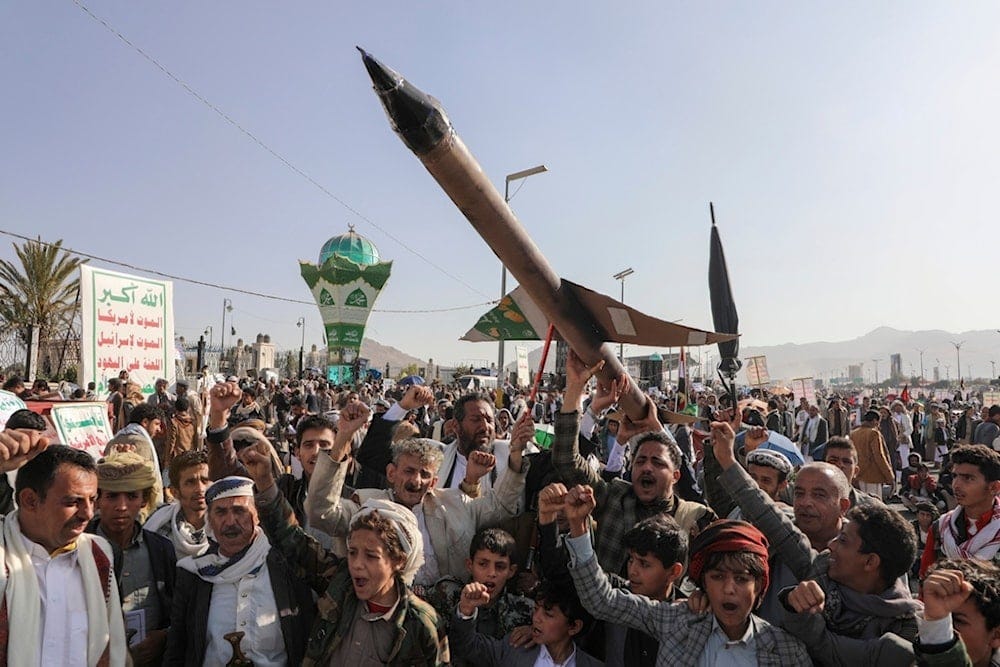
856,373
895,366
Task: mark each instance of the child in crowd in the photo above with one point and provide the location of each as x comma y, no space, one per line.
489,563
961,602
729,561
366,610
921,487
927,514
558,619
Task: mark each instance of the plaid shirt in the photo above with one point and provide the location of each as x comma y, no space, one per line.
872,640
420,637
618,508
682,633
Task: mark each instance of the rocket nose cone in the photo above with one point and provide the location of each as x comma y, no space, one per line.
382,77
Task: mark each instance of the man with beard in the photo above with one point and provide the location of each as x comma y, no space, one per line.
58,595
655,470
240,584
375,452
183,520
144,561
475,431
448,518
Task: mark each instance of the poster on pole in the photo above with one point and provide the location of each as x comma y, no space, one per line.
523,375
128,325
83,425
757,371
804,387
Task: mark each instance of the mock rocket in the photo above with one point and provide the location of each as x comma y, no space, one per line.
586,320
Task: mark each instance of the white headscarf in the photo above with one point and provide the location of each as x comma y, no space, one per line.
406,528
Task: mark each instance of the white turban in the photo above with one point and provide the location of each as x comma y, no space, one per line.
406,528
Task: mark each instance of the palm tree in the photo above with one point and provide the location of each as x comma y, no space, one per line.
40,292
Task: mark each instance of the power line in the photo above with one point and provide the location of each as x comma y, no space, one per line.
236,290
274,153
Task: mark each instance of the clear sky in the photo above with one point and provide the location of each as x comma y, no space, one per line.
850,149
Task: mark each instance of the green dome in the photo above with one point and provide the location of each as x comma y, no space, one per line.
351,246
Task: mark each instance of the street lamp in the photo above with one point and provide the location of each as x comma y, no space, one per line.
516,176
301,323
958,354
921,364
227,307
622,275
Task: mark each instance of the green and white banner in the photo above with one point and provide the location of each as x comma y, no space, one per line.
128,325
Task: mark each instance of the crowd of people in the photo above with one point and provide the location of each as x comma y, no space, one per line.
303,523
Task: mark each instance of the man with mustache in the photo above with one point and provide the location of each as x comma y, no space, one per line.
58,595
240,584
448,518
655,468
474,429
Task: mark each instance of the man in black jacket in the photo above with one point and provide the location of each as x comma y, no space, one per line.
240,585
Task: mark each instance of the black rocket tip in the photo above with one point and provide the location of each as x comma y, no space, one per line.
382,77
417,117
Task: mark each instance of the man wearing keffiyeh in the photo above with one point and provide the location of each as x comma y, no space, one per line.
240,584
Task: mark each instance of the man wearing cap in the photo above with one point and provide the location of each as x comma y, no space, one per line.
874,468
145,422
58,598
770,470
144,562
241,584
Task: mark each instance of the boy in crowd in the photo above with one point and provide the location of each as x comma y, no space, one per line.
871,615
971,530
491,564
558,619
961,602
729,562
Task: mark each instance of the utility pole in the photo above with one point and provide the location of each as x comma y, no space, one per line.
958,354
921,364
875,361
